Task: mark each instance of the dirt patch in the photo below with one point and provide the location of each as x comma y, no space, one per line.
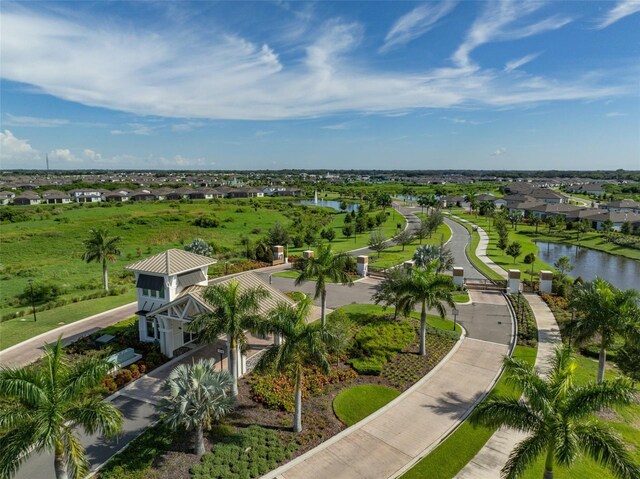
608,415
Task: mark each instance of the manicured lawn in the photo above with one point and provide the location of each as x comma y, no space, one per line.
394,256
357,402
362,313
15,331
461,297
459,448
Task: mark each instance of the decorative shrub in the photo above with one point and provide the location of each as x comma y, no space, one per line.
123,377
378,342
246,455
276,390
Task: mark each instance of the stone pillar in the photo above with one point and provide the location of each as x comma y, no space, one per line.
362,266
458,276
410,264
307,254
546,279
242,369
278,255
513,283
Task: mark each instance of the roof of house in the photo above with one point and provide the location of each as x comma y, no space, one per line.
616,217
545,193
622,204
172,261
245,281
485,197
54,194
29,195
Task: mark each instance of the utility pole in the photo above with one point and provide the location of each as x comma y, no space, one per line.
47,162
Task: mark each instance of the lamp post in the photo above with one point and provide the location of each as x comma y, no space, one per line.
33,302
455,312
221,353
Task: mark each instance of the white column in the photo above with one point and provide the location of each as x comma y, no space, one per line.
458,276
546,281
513,284
362,266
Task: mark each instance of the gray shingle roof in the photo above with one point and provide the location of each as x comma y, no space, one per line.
172,261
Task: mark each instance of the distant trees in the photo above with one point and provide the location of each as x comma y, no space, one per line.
99,247
278,235
378,241
404,238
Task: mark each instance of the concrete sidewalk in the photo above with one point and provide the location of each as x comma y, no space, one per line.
495,453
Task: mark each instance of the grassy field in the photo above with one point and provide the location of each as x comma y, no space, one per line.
357,402
15,331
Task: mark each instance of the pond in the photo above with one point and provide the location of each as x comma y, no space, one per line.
589,263
330,204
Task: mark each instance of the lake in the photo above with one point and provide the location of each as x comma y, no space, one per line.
589,263
330,204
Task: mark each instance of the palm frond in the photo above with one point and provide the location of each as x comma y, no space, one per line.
607,449
95,415
77,462
524,454
586,400
15,448
503,411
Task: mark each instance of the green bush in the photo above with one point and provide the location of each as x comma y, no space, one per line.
250,453
42,293
379,342
368,366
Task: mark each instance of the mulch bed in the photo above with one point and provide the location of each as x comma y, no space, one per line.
318,419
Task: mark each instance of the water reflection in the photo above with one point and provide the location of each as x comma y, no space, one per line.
330,204
588,263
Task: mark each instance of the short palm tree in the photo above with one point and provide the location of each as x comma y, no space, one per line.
431,291
325,266
302,344
99,247
604,313
557,415
425,255
388,291
234,311
42,407
197,395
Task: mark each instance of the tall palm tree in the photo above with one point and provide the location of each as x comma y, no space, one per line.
557,415
604,313
235,311
303,344
431,291
99,247
197,395
325,266
42,407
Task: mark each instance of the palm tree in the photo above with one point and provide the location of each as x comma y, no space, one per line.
432,291
604,312
389,291
100,248
557,416
197,395
42,407
427,254
323,267
235,311
302,344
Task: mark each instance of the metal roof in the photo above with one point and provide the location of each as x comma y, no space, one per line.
245,280
172,261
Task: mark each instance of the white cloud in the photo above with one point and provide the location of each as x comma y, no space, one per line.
263,132
416,23
518,62
613,114
64,155
500,22
91,155
622,9
32,121
16,153
186,73
500,151
338,126
136,129
462,121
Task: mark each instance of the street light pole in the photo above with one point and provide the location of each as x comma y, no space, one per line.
455,317
33,303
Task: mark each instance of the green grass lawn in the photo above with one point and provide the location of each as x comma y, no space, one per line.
341,244
357,402
394,256
461,297
15,331
362,313
459,448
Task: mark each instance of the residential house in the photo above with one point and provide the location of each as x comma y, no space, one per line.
86,196
450,201
118,195
617,219
548,196
6,197
55,197
588,189
628,206
162,193
143,195
27,198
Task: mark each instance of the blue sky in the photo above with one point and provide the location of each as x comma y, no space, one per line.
269,85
